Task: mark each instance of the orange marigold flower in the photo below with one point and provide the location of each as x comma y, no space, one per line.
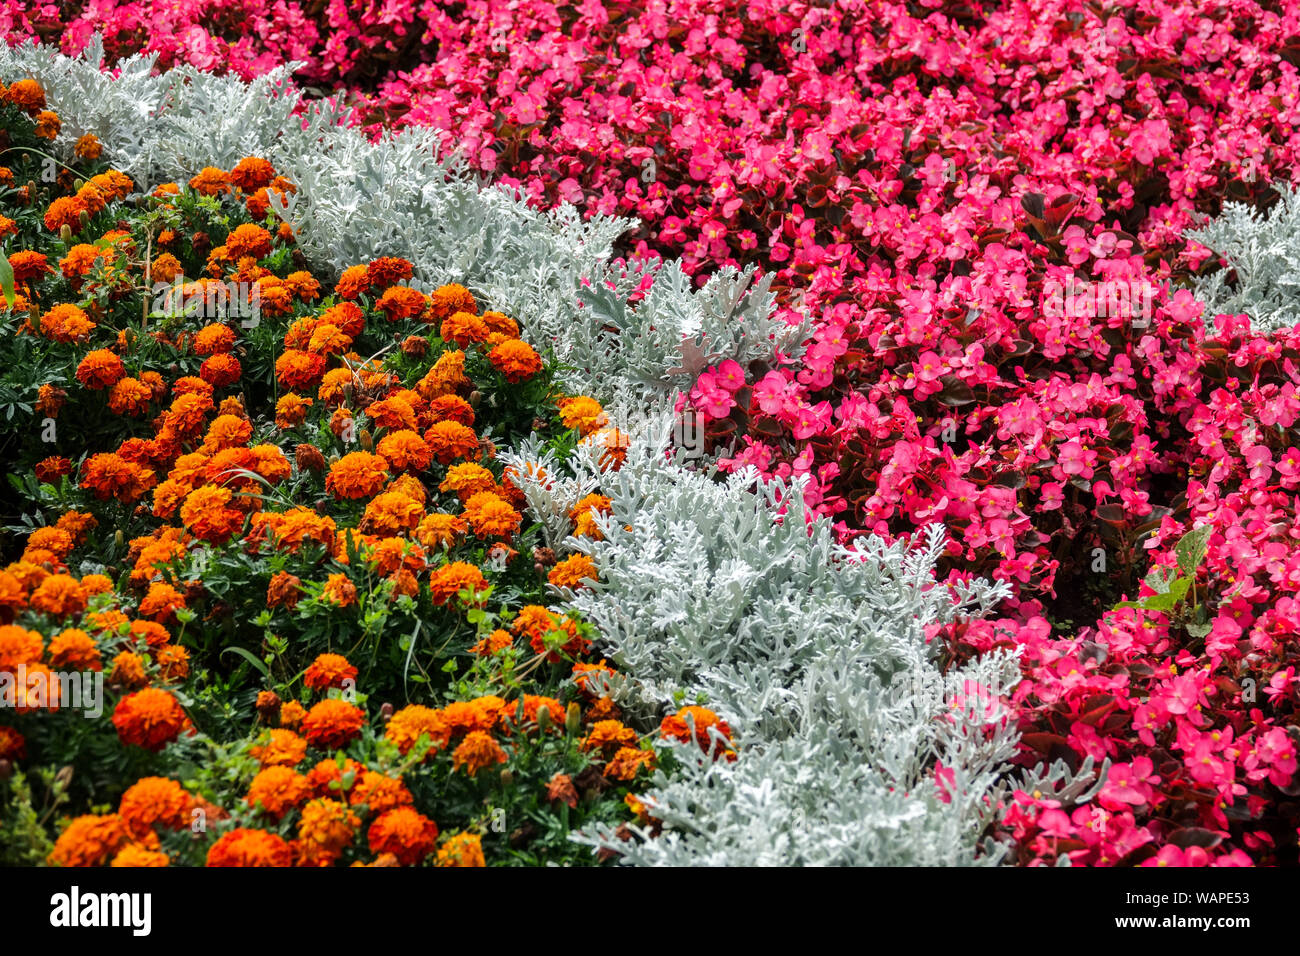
74,650
48,124
27,95
173,662
462,849
210,181
128,671
283,748
151,632
29,266
449,580
284,590
501,324
402,302
328,339
481,713
90,840
149,718
380,792
88,146
81,260
12,744
326,827
206,516
136,855
292,714
390,513
407,834
463,328
245,847
59,595
467,480
213,339
340,590
269,462
329,670
348,316
440,530
155,801
299,370
389,270
18,646
476,752
303,285
278,790
516,360
51,538
407,725
165,268
404,450
113,184
49,400
357,475
452,440
130,396
571,572
608,736
678,726
498,640
291,410
354,281
333,723
100,369
491,516
161,601
451,408
582,413
65,211
446,299
252,173
627,762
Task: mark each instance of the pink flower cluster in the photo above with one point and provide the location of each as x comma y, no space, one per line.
921,177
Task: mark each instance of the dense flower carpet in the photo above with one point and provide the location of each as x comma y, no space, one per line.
651,433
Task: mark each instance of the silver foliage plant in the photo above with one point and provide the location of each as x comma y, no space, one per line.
550,269
717,592
1263,249
711,591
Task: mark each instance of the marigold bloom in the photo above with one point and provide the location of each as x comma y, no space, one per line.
463,328
406,726
59,595
27,95
380,792
214,339
283,748
402,302
495,642
516,360
347,316
333,723
447,299
155,801
332,778
18,646
149,718
627,762
90,840
48,124
130,396
451,440
357,475
491,516
284,590
210,181
136,855
451,408
173,662
12,744
278,790
74,650
292,714
476,752
128,671
448,581
462,849
299,370
354,281
65,211
329,670
152,633
252,173
326,827
110,476
100,369
407,834
245,847
571,572
340,590
390,513
206,516
498,323
389,270
29,266
88,146
607,736
303,285
678,726
582,413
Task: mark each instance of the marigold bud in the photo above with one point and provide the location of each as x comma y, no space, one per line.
83,217
268,706
6,769
119,538
367,440
386,712
475,397
65,232
543,718
507,778
573,719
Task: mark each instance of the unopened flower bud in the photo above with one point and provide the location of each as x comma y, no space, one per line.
573,719
268,706
367,440
6,769
119,538
543,718
83,217
507,778
65,232
475,397
386,712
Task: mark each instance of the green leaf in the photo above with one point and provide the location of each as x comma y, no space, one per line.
7,280
1178,590
1158,579
261,666
1191,548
